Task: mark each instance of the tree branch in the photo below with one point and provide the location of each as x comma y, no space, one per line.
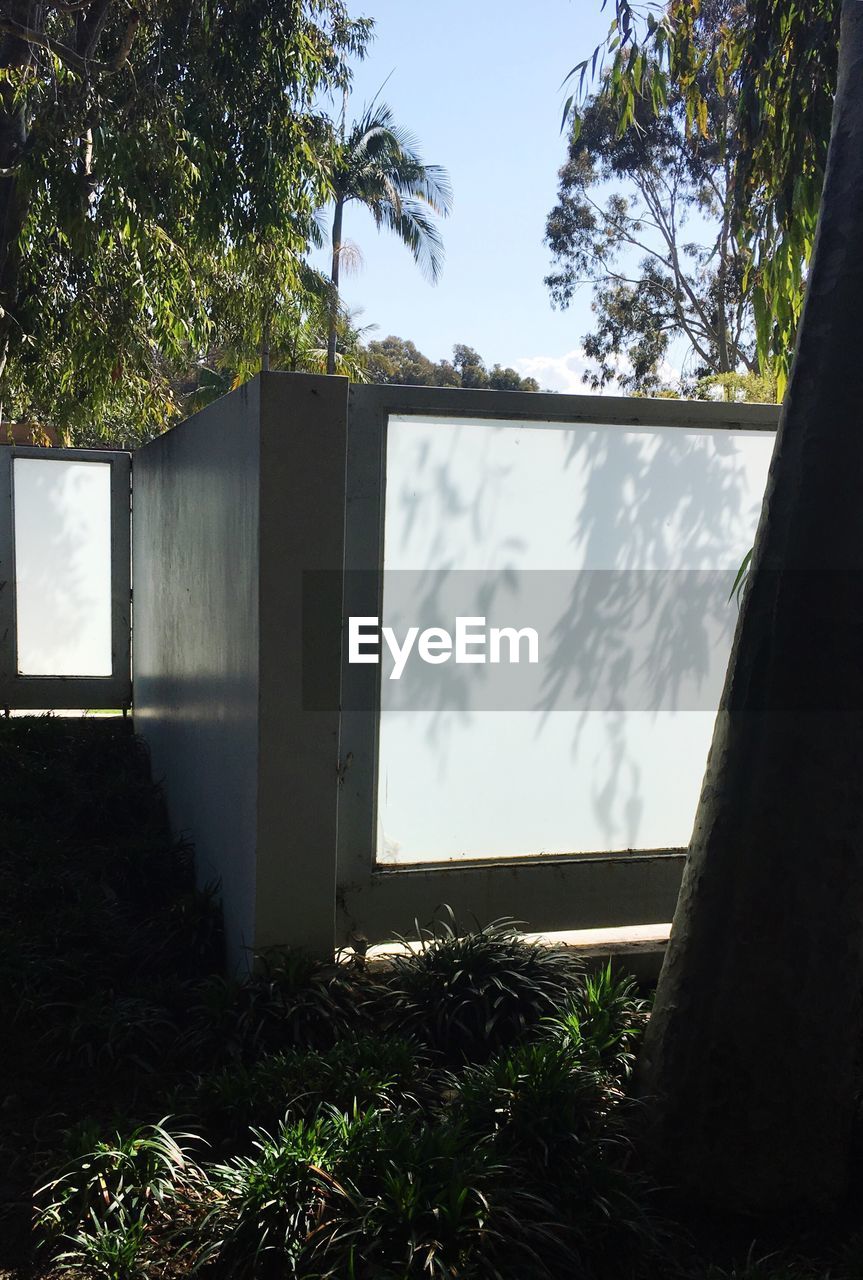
40,40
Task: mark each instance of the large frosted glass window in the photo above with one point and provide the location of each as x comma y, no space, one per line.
624,542
63,567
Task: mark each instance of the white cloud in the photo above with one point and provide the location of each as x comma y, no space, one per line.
565,373
556,373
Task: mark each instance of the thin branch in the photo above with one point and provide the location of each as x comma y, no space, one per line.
39,40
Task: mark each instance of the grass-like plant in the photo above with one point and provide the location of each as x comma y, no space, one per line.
109,1249
120,1181
290,1001
535,1100
266,1204
426,1200
465,994
602,1020
559,1127
383,1071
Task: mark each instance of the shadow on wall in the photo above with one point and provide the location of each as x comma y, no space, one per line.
623,543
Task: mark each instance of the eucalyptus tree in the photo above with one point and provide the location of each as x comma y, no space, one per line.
750,1064
144,153
644,218
776,61
377,164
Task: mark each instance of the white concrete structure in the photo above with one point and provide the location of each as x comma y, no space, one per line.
231,508
447,800
264,522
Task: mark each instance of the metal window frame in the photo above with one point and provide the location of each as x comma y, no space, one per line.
564,891
96,693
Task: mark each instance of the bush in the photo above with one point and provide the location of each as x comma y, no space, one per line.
467,994
425,1201
111,1250
602,1020
290,1002
358,1073
535,1101
130,1175
101,1205
269,1202
559,1127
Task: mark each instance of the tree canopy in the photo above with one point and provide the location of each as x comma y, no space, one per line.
658,249
152,160
776,60
396,360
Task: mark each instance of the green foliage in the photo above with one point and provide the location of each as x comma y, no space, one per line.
268,1202
357,1073
558,1126
138,145
465,994
377,164
425,1200
775,64
657,249
751,388
602,1021
288,1001
110,1249
394,360
102,1206
535,1099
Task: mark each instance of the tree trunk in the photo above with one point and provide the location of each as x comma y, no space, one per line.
749,1065
334,277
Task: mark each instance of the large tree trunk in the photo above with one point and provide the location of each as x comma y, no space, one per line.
749,1065
334,277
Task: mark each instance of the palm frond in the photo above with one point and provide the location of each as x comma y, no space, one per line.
416,230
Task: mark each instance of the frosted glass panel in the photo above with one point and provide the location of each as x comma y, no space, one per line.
63,567
608,533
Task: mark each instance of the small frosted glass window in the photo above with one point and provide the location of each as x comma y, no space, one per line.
63,567
458,780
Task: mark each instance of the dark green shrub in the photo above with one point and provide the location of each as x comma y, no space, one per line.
467,994
535,1101
269,1202
290,1002
426,1201
117,1182
109,1250
560,1129
104,1033
357,1073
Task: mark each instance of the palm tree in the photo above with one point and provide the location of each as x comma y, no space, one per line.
377,165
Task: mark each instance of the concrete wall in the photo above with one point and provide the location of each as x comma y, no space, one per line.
303,464
230,509
195,561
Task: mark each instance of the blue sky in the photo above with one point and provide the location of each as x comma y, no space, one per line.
478,83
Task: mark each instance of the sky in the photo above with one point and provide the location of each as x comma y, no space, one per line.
478,82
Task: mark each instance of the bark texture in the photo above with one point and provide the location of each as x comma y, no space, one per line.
749,1064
